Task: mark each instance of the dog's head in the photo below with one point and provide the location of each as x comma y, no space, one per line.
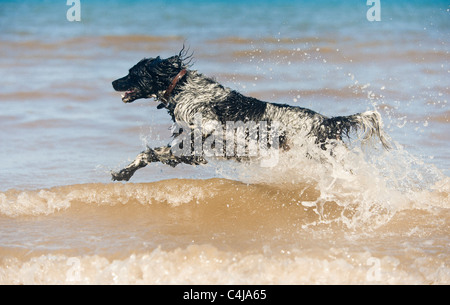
148,78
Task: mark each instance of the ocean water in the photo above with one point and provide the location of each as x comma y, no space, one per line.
367,216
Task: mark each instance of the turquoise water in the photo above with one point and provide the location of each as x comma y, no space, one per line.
214,19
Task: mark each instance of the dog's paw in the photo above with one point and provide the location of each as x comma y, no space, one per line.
123,175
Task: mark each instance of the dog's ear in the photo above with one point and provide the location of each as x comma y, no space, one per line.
175,61
151,62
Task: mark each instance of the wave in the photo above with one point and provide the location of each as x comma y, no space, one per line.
218,194
271,40
47,201
220,231
281,50
177,192
206,264
122,41
344,188
361,216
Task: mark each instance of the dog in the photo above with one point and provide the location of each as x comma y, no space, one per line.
185,93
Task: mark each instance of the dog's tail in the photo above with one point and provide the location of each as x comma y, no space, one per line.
367,124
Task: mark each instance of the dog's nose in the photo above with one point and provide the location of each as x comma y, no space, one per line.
115,85
121,84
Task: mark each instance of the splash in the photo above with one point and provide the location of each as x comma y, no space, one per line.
366,183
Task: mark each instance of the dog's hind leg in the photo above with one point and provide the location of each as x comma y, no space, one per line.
159,154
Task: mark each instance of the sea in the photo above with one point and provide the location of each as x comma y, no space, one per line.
363,216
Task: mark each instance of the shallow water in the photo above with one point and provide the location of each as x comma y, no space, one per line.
367,216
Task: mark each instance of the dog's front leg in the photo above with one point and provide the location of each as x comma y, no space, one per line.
165,155
160,154
141,161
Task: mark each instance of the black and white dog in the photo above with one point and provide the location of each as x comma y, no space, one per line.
186,93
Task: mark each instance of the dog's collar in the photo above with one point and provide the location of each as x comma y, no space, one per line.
175,81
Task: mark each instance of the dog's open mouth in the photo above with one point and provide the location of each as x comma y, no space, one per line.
128,96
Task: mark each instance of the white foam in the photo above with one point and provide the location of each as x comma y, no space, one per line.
45,202
207,265
32,203
370,182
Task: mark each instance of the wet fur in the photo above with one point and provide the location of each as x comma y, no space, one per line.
198,94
